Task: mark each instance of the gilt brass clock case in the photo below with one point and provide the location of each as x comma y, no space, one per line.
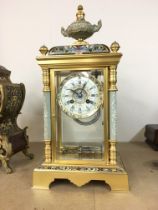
76,150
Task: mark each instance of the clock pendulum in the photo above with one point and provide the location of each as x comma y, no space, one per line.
79,83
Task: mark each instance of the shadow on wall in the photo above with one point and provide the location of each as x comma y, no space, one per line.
139,137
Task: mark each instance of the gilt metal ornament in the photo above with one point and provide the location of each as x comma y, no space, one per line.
81,29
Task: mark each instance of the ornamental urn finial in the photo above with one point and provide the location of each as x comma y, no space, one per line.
115,47
43,50
81,29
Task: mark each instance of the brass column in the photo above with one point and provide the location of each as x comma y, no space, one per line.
113,117
47,121
113,104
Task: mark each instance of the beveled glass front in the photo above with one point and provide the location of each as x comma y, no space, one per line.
81,139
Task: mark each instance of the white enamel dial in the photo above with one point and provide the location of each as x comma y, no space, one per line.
80,96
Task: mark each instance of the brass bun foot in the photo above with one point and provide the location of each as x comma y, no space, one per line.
117,179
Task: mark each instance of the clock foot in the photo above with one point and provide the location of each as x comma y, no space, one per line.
116,178
42,179
118,183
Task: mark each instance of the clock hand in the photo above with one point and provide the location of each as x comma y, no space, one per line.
74,91
79,95
84,86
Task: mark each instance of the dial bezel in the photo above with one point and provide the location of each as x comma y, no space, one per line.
97,105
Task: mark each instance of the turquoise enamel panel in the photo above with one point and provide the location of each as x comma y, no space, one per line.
47,116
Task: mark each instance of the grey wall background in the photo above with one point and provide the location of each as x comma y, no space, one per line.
27,25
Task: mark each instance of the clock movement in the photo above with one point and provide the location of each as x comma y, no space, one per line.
79,86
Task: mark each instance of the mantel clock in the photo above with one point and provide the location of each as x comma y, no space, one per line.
80,110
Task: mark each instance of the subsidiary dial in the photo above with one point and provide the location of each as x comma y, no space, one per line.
80,96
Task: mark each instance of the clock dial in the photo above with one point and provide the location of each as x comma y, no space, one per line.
80,96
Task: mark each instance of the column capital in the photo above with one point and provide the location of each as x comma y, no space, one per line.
112,78
46,79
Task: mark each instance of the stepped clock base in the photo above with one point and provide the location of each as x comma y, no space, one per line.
116,178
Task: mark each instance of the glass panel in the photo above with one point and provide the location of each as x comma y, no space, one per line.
80,116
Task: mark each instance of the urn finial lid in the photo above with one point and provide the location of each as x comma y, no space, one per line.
80,14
